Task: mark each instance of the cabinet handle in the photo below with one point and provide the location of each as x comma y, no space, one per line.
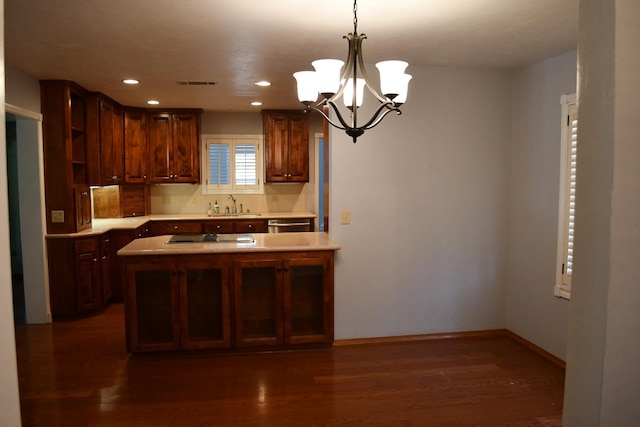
95,260
104,257
144,176
175,227
250,225
114,178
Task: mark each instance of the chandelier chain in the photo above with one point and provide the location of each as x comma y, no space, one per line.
355,16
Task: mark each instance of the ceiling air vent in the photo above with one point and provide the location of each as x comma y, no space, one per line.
192,83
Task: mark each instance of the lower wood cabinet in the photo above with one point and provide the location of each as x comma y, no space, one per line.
173,306
284,301
229,301
76,280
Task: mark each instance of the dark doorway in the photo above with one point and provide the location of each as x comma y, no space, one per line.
15,240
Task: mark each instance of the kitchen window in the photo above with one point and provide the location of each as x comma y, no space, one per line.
232,164
566,215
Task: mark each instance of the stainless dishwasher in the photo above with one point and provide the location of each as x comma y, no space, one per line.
289,225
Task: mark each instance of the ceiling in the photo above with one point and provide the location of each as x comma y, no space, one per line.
235,43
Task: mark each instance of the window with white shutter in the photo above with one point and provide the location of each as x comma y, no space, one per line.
566,217
232,164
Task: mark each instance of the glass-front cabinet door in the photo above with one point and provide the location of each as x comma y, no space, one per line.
152,292
258,302
204,306
307,301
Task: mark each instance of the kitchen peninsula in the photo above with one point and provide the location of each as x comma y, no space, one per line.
262,291
85,275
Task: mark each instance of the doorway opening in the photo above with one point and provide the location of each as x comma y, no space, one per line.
27,227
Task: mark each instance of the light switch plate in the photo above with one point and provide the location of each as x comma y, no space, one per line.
346,217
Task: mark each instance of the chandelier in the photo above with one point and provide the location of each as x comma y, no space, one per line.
327,81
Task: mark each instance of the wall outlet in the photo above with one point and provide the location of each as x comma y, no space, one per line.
57,216
346,217
194,199
166,200
274,197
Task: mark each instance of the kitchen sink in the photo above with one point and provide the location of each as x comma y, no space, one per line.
241,215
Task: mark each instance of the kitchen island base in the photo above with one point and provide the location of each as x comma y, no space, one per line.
228,301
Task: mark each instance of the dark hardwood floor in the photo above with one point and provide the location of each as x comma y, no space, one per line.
78,373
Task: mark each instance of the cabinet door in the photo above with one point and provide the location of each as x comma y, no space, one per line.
298,167
160,146
117,240
134,200
153,307
88,284
106,265
308,296
185,157
258,303
82,198
276,131
136,156
286,136
111,143
204,306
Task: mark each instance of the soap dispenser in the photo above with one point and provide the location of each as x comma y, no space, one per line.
216,208
210,210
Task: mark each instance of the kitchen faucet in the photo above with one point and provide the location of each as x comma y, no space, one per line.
234,209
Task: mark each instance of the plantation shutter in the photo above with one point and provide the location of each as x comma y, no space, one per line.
219,164
564,288
246,172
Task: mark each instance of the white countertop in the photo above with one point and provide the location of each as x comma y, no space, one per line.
263,242
100,226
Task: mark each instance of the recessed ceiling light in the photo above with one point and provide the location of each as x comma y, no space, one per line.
130,81
153,102
256,103
263,83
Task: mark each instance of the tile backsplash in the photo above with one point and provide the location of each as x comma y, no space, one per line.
188,198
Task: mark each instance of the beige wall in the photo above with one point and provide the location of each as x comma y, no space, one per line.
533,311
9,395
602,381
428,192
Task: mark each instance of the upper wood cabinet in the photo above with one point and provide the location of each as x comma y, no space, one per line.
106,138
286,141
174,146
66,158
136,146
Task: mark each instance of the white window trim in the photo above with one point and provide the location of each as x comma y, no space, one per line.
207,138
562,287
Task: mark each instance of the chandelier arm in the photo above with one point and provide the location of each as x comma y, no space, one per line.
380,113
342,121
319,110
365,76
347,70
